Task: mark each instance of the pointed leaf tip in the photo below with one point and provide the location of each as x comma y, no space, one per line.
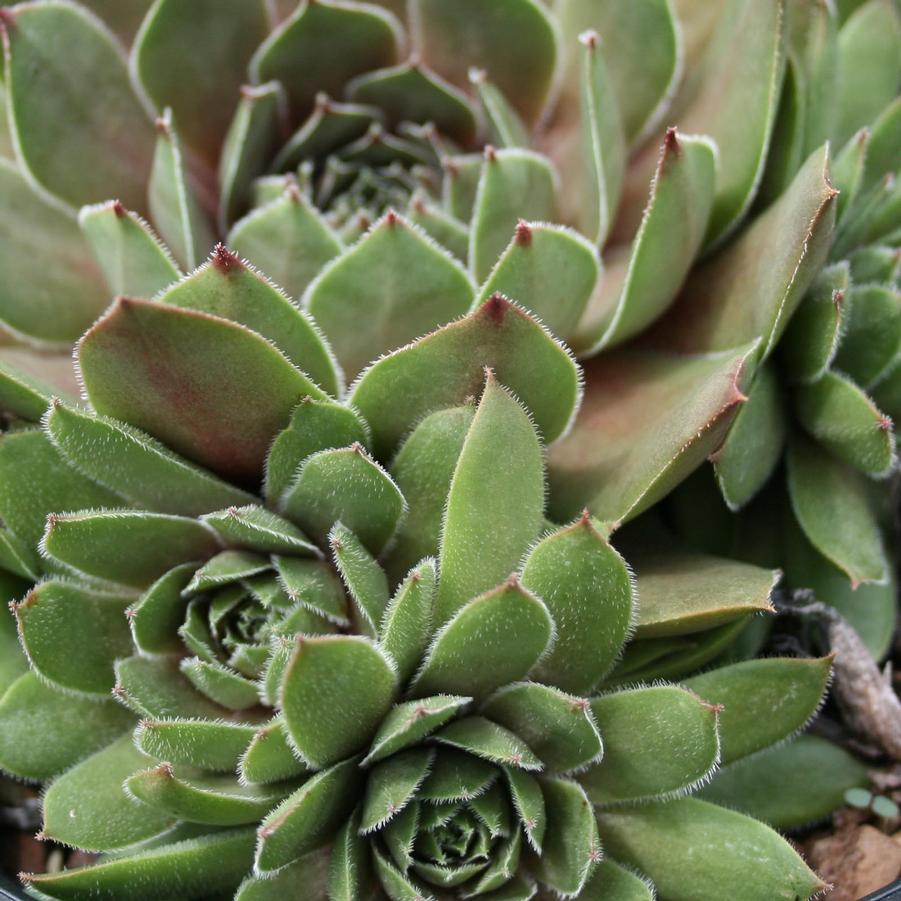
224,260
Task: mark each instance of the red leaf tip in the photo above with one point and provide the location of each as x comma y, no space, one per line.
590,39
165,769
671,140
119,209
884,423
838,298
495,308
512,581
162,126
523,235
391,218
490,153
224,260
7,18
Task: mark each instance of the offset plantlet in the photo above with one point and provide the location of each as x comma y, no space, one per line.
263,695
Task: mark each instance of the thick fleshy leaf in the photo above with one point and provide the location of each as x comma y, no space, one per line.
288,240
227,288
80,130
447,367
345,485
503,124
730,300
684,593
871,333
44,731
763,701
453,39
869,64
189,868
814,332
456,776
599,154
649,419
550,270
692,849
257,529
225,568
528,803
154,687
791,785
485,739
556,726
211,800
336,691
96,634
221,684
350,869
133,259
395,883
206,744
592,604
833,507
840,416
493,640
158,613
315,425
36,481
252,139
872,608
360,39
754,445
423,469
171,199
515,184
613,882
439,225
314,585
206,45
410,722
642,83
269,756
366,581
492,514
571,847
391,785
307,818
372,280
88,807
639,284
131,547
658,742
410,92
52,290
187,378
734,97
407,622
304,880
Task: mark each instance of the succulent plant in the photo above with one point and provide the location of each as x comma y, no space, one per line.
318,508
382,682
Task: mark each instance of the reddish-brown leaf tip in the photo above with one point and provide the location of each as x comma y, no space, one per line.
391,218
232,511
7,18
358,448
130,613
162,126
117,691
495,308
838,298
119,209
589,39
224,260
671,141
165,769
885,423
490,153
523,235
512,581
